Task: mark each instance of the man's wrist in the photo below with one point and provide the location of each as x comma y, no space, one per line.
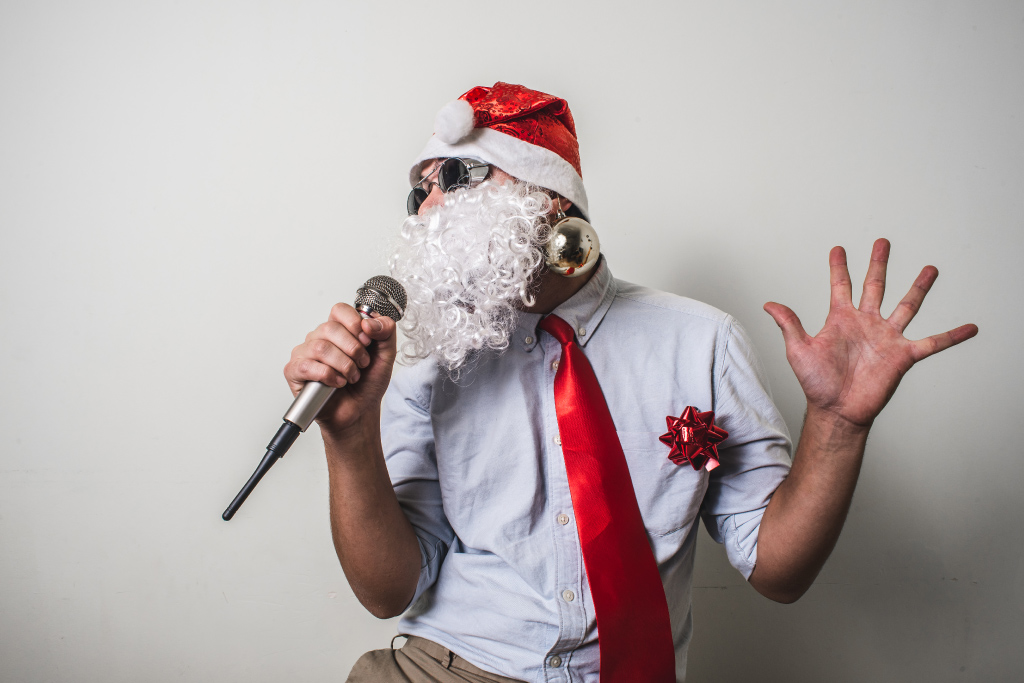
832,423
357,437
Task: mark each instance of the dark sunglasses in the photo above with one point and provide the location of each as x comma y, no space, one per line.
452,174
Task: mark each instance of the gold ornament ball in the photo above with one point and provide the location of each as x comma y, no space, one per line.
573,248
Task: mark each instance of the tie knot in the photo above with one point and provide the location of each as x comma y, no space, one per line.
557,328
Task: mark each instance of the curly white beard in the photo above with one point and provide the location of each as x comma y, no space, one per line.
466,267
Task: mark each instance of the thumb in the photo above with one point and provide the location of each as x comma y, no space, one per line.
379,328
792,331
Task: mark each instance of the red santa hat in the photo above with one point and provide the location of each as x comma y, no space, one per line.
526,133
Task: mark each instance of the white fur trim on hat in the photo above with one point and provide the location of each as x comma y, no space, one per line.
529,163
454,121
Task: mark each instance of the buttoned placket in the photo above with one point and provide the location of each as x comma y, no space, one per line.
570,579
575,612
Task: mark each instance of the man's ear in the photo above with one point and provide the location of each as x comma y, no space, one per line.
558,201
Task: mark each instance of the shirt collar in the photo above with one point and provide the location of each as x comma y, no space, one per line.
584,310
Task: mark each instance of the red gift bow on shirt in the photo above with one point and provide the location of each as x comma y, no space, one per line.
693,438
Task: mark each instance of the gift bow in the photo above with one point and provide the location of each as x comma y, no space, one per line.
693,438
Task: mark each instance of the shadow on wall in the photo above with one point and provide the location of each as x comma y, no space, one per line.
887,607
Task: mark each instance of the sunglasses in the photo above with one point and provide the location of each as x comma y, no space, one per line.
452,174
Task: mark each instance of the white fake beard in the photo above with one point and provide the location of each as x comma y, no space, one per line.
467,267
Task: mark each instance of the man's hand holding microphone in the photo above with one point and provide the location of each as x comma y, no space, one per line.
337,354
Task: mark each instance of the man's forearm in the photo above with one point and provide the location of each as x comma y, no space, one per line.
374,540
803,520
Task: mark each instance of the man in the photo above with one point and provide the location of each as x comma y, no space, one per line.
477,498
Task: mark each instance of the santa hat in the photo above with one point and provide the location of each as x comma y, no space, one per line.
526,133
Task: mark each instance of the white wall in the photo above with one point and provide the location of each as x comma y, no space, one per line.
186,188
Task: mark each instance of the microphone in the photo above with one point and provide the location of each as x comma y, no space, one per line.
381,294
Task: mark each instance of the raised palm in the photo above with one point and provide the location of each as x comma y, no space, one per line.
854,364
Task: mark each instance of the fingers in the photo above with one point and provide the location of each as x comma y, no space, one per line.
333,353
874,281
792,331
321,359
351,319
911,303
298,371
922,348
343,341
839,276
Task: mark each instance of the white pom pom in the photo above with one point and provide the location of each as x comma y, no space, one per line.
454,121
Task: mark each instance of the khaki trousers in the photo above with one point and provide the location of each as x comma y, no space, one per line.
419,661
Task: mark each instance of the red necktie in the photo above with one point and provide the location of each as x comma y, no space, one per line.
633,628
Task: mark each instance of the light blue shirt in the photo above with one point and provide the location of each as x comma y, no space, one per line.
478,471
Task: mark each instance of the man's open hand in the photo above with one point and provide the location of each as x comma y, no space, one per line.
854,364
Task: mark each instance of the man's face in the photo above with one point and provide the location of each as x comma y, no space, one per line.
467,260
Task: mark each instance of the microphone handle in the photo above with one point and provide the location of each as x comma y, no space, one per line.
300,415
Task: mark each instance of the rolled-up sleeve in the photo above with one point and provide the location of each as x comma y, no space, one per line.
408,439
755,458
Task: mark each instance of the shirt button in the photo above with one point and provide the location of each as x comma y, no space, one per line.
568,595
563,519
556,661
528,340
558,440
554,365
582,331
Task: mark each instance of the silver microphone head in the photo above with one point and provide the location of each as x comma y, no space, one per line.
382,294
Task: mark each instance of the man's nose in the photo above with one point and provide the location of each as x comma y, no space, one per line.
433,199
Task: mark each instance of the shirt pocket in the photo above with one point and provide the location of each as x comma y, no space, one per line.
669,495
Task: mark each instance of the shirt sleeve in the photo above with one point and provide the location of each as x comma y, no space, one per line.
408,439
755,457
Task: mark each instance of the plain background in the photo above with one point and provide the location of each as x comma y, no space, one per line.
187,187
